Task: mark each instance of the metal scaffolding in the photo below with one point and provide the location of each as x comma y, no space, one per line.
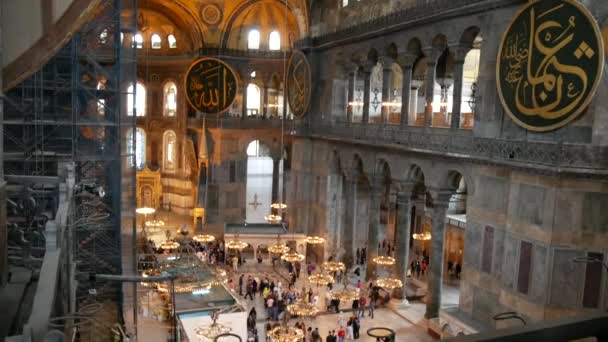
73,111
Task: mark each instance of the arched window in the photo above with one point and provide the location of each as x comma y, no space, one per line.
172,42
103,36
155,41
344,3
253,40
274,41
122,37
140,100
101,103
253,99
170,97
259,182
169,151
138,41
137,148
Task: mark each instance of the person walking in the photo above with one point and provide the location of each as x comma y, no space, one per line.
372,304
316,336
358,256
350,335
356,327
249,290
362,303
341,334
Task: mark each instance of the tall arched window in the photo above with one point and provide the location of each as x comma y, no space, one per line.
172,42
170,98
137,148
138,41
140,100
169,151
155,41
253,39
259,182
274,41
253,99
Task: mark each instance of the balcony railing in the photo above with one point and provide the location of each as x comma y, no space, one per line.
238,53
548,156
229,121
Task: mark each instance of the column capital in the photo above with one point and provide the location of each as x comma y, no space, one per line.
441,197
386,61
404,186
351,174
459,52
406,60
377,183
432,53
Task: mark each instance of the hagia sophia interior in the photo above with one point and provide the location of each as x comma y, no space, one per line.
303,170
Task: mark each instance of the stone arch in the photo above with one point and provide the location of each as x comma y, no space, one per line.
186,21
414,47
391,51
335,166
469,35
439,43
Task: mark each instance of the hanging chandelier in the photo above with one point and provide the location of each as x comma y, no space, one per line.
302,309
345,294
274,219
333,266
389,283
203,238
292,257
150,273
236,243
168,244
145,211
212,330
384,260
155,223
278,206
321,279
422,236
315,240
285,334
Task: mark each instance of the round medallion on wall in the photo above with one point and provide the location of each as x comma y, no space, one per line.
549,64
211,85
212,14
299,83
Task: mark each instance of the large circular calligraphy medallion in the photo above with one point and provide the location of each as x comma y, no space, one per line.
211,85
549,64
299,83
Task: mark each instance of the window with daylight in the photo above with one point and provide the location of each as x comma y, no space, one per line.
103,36
274,41
253,40
253,99
172,42
137,148
259,182
101,103
138,41
170,96
344,3
140,100
155,41
170,150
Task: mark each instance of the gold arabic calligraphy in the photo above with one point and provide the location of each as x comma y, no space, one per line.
299,84
548,62
211,85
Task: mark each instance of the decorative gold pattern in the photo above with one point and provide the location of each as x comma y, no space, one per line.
211,14
210,85
149,188
549,64
299,83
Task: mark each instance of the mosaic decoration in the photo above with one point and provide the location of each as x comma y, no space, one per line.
299,83
211,85
549,64
211,14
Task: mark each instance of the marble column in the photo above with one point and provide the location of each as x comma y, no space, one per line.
350,213
406,91
275,179
431,71
375,198
440,206
351,97
244,113
366,95
265,105
387,72
413,110
457,95
402,247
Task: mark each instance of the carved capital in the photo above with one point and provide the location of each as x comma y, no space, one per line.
441,198
432,53
386,61
459,52
406,60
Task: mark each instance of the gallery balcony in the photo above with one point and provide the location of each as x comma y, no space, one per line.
236,121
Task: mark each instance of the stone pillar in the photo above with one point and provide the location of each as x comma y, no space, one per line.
350,213
387,73
244,113
406,91
351,96
430,91
441,200
3,228
375,198
459,55
275,179
402,247
366,95
265,106
413,110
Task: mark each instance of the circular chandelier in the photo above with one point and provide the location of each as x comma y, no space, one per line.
278,249
236,243
315,240
345,294
203,238
273,218
145,211
422,236
389,283
333,266
285,334
302,309
155,223
321,279
149,273
169,244
213,330
292,257
384,260
278,206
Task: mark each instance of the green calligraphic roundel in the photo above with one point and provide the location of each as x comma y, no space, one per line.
211,85
299,83
549,64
